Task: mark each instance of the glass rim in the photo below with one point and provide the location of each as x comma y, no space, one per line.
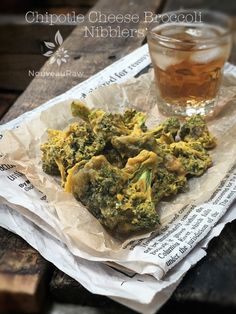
228,30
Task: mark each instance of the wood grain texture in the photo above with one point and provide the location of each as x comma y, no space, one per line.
208,287
227,6
59,308
23,274
64,289
210,284
71,2
18,57
6,100
212,279
87,55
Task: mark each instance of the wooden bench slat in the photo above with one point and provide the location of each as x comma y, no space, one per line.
86,55
202,285
23,275
211,280
6,100
43,89
226,6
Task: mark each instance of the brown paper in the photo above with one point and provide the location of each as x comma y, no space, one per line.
21,147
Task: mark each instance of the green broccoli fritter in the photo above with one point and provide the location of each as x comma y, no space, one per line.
120,170
107,124
167,130
131,145
194,158
170,174
65,148
121,199
195,129
113,156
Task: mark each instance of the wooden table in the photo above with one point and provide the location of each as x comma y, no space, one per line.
30,284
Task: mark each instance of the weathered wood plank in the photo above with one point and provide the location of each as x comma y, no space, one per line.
65,289
220,258
71,2
28,38
202,286
58,308
16,6
227,6
18,57
6,100
15,70
210,283
22,43
23,275
87,55
62,287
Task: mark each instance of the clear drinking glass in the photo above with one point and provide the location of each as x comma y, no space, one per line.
188,50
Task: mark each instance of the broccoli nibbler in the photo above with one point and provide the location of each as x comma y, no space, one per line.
120,170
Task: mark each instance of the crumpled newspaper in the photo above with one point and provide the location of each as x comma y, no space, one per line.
185,221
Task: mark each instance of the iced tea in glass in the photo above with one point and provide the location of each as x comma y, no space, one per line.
188,59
